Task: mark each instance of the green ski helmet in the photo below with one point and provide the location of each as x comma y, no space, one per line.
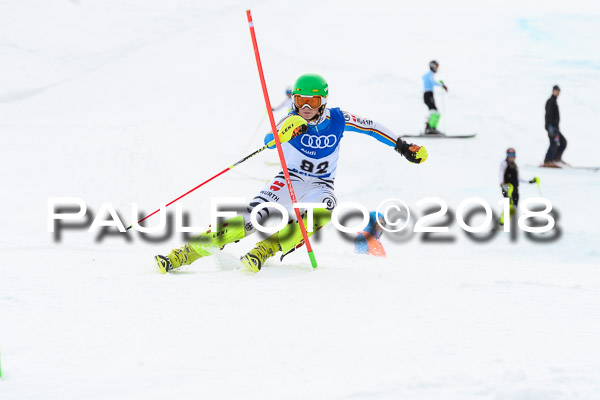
311,85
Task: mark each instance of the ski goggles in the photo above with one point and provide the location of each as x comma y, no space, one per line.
310,101
511,154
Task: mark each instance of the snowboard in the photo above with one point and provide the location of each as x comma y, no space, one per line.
441,136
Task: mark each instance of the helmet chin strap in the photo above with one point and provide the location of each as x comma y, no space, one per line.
321,111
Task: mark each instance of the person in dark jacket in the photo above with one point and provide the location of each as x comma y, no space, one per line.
509,181
558,143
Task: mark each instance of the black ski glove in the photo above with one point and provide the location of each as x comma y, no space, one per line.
534,180
412,152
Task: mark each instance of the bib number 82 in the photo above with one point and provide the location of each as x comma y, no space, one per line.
310,167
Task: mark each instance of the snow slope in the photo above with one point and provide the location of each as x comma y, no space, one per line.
139,101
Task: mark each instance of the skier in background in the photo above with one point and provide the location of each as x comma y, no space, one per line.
558,143
367,240
509,181
428,84
286,104
311,158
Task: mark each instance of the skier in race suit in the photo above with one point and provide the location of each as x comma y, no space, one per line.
311,158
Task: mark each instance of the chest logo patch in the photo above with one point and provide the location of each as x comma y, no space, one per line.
318,142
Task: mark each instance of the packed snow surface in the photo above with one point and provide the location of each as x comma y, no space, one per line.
137,101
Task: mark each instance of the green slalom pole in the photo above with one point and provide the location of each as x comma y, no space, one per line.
313,259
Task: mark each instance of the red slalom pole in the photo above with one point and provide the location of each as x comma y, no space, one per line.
311,255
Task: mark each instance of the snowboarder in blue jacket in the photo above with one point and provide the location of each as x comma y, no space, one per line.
428,84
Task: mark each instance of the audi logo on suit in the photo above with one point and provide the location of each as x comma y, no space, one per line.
318,142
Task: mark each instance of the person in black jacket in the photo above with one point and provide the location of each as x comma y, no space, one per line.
558,143
509,181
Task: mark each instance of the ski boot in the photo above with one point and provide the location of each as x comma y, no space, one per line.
432,123
432,131
205,244
255,258
176,258
286,240
163,263
550,164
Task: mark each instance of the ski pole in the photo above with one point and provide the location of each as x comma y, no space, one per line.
311,255
205,182
290,128
444,106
